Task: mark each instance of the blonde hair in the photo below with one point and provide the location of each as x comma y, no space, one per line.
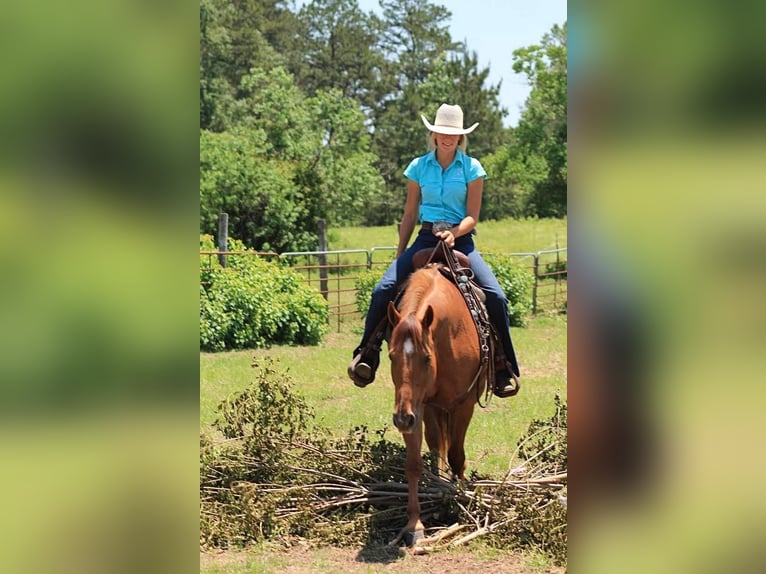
431,141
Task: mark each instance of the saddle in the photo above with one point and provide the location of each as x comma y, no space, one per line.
456,267
435,255
439,256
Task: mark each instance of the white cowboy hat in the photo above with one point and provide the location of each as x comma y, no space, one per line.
449,121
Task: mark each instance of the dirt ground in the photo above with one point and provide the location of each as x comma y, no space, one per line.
303,560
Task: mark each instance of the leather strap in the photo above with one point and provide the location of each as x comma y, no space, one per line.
461,277
428,225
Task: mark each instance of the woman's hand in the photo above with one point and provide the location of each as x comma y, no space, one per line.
447,237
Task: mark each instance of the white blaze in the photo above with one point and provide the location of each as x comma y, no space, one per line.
409,347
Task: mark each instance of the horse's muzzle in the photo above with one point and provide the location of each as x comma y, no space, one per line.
405,422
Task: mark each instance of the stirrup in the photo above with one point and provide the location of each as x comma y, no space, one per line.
509,389
362,373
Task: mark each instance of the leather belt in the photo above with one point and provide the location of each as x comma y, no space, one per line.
429,225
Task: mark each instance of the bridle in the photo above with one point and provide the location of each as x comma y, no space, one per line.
461,276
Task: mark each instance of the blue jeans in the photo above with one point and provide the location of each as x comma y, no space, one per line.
399,270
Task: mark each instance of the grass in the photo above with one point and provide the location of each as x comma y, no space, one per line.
320,372
503,236
320,375
258,558
500,237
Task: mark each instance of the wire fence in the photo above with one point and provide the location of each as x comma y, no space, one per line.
335,274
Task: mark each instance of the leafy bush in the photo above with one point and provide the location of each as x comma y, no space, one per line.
255,303
276,464
214,322
517,285
541,516
556,270
515,281
278,474
546,441
238,177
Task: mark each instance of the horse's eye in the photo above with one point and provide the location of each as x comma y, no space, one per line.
428,358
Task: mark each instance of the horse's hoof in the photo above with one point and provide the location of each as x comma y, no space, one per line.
412,538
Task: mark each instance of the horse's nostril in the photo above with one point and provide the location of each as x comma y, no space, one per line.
404,421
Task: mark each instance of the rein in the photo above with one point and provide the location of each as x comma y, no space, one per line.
461,278
461,398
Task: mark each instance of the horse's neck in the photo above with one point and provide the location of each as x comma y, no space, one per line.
421,285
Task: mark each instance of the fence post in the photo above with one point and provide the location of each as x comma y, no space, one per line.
223,237
322,257
534,285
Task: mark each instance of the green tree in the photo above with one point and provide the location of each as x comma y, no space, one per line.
231,45
337,51
322,139
339,178
288,161
414,35
258,193
501,196
215,49
271,102
260,32
541,136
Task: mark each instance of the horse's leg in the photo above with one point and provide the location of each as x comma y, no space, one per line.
413,468
458,429
436,437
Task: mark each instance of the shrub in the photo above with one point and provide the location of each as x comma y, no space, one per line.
239,176
274,475
556,270
214,323
278,474
517,285
541,517
207,243
255,303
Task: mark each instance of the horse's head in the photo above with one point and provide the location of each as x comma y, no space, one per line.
413,364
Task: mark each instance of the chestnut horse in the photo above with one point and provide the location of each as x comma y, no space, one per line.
436,369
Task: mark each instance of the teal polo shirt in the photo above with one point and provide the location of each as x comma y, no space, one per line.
443,192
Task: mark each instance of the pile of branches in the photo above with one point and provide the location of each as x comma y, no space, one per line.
272,473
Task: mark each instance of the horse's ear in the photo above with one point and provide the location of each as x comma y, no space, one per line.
428,318
393,315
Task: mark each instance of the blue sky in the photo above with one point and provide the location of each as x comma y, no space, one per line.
494,29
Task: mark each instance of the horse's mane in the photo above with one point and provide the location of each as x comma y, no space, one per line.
418,286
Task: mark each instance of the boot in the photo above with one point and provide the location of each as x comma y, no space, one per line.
363,366
506,383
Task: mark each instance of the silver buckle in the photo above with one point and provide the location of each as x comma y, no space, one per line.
441,226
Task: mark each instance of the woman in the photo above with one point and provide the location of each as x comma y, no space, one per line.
444,190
